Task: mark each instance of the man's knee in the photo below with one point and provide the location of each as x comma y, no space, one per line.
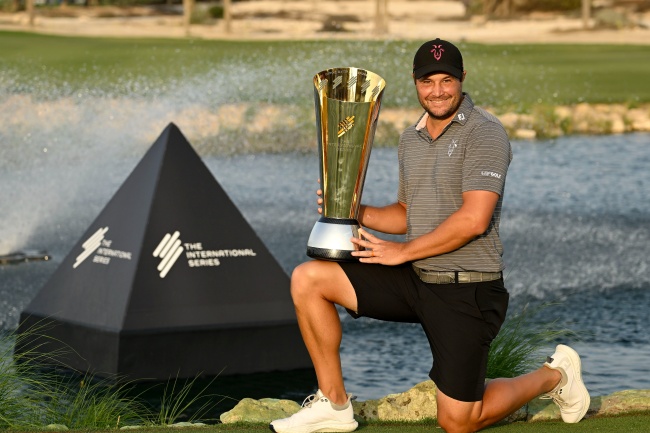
322,280
452,424
458,417
305,279
298,279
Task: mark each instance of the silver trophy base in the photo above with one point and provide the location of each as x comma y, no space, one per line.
330,239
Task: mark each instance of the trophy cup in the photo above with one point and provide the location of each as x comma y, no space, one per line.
347,108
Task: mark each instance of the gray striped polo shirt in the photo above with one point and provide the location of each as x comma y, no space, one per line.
473,153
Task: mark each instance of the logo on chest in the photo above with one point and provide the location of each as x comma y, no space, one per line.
452,146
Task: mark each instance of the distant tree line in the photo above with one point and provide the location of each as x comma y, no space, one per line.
509,8
221,9
492,7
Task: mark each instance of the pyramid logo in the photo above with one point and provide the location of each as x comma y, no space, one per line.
90,246
168,250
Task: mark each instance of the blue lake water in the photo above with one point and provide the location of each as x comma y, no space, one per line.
576,231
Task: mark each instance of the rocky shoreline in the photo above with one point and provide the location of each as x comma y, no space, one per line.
419,404
578,119
552,122
243,128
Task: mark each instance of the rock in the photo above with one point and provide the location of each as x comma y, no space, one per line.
632,400
264,410
639,119
621,402
542,410
618,125
416,404
525,134
511,120
187,424
419,403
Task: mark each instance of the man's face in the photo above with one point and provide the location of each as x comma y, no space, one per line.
440,94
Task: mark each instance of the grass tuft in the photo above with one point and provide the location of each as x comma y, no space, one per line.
518,347
179,397
33,394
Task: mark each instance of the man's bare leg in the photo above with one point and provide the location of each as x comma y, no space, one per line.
502,397
316,287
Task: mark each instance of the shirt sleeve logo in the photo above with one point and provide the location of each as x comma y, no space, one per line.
491,174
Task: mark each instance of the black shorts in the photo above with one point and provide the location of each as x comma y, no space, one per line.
460,320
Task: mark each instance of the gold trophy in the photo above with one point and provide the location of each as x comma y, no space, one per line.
347,108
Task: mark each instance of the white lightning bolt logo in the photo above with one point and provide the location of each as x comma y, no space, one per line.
90,246
169,249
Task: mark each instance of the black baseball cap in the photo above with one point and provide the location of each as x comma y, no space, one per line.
438,56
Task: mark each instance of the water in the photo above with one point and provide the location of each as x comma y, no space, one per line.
575,228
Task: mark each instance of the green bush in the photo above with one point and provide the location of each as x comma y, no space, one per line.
548,5
216,11
10,6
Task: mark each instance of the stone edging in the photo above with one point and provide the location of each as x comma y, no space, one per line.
550,122
581,118
419,403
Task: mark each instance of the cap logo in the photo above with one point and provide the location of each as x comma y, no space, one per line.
437,51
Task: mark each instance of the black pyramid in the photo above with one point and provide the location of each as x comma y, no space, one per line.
169,281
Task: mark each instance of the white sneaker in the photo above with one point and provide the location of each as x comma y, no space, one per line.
570,394
317,415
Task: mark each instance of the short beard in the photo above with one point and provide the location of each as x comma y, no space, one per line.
447,115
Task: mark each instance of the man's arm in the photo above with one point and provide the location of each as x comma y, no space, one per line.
471,220
387,219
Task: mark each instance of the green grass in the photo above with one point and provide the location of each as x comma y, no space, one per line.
505,77
628,424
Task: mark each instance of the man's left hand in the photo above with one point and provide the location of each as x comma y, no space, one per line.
378,250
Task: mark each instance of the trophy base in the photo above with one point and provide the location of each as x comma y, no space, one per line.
331,255
330,239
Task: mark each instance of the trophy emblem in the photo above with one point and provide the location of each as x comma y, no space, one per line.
347,102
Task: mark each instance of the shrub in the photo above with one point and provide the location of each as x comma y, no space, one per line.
34,394
216,11
517,349
547,5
